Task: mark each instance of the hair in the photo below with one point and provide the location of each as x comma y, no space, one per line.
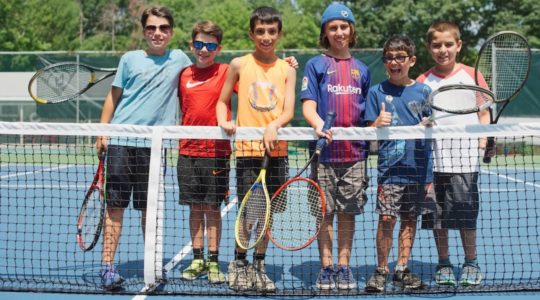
266,15
323,39
399,43
158,11
442,26
207,27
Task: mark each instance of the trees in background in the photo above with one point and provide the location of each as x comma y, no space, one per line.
114,24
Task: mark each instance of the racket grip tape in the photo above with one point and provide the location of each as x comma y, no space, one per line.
328,122
490,150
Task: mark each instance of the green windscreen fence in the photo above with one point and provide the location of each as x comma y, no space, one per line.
88,108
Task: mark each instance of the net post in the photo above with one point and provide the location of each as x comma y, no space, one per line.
153,245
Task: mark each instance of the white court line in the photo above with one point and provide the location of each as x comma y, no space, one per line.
36,171
187,249
511,178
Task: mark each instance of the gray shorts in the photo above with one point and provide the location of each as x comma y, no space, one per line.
403,199
457,202
344,186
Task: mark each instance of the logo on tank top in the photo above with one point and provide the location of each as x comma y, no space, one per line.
262,96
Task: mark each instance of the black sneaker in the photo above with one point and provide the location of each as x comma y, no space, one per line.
407,280
377,281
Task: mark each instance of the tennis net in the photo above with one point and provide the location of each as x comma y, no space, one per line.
46,169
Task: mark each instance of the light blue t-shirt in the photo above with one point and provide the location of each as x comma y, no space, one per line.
149,86
402,161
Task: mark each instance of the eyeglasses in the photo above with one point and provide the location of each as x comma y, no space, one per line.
398,59
209,46
165,28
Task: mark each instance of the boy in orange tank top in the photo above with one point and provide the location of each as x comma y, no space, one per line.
265,99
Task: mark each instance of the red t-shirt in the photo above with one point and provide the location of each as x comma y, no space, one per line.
199,91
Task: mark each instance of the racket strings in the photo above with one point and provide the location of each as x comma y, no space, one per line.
504,63
92,217
57,84
252,218
296,214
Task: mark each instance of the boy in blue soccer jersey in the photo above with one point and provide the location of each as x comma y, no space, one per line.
404,166
336,81
144,92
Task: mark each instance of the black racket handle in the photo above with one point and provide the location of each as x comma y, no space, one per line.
328,122
490,148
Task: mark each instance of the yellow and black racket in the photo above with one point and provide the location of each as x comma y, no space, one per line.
254,212
65,81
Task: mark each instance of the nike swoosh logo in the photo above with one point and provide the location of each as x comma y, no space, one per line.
330,72
190,84
217,172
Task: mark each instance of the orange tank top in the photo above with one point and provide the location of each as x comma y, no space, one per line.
261,98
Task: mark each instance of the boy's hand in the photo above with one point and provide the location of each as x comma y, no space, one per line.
270,137
327,135
101,145
291,60
228,127
384,118
426,122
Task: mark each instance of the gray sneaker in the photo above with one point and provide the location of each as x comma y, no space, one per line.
240,277
262,283
377,281
470,275
407,280
445,275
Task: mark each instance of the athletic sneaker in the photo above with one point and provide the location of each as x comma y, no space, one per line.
470,275
240,277
325,280
445,275
407,280
214,274
110,278
263,283
195,270
345,279
377,281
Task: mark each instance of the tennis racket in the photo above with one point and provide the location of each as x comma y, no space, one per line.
92,211
504,62
254,212
455,99
298,207
65,81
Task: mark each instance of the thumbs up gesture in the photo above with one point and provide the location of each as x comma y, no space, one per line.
384,118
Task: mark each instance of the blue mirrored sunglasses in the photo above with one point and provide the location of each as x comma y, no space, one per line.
209,46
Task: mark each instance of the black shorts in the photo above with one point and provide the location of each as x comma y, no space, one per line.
127,175
203,180
248,169
457,202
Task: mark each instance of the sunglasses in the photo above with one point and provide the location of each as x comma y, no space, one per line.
398,59
209,46
153,28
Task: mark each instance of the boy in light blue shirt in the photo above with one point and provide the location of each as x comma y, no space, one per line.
144,92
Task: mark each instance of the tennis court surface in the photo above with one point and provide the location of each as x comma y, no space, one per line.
46,169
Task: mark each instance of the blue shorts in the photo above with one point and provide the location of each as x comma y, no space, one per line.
127,176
